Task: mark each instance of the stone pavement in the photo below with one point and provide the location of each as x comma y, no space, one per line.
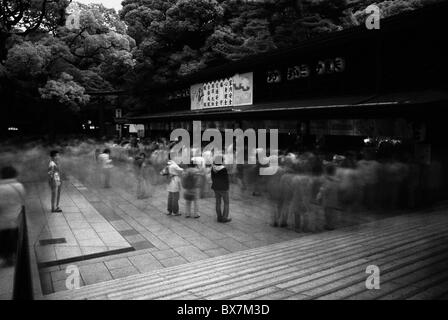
409,250
158,240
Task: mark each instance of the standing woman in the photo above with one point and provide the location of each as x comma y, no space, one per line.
54,179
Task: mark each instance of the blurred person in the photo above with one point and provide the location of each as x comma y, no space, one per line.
220,185
173,171
369,171
12,198
106,167
54,180
328,197
96,154
190,183
139,169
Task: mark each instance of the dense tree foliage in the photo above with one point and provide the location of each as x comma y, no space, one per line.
49,69
175,38
23,17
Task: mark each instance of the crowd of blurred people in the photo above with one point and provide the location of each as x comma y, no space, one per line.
308,190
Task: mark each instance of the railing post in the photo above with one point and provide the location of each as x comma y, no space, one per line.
23,285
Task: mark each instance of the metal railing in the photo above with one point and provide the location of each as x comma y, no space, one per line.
23,283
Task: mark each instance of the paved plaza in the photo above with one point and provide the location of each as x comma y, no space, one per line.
109,234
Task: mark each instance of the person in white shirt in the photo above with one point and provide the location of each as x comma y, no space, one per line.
54,180
174,186
12,198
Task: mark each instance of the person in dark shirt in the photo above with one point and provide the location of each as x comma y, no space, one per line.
220,185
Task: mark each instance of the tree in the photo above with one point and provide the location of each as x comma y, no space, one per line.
59,69
169,35
65,91
23,17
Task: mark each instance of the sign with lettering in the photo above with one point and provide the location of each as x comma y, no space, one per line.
228,92
302,71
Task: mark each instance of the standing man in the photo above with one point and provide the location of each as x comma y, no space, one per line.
55,181
220,184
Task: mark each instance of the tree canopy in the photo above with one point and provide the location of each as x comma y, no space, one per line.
176,38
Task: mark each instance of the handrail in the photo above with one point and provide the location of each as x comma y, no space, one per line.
23,285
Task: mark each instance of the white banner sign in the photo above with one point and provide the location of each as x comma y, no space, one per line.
228,92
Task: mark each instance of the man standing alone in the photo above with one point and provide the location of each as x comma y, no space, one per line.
54,179
220,184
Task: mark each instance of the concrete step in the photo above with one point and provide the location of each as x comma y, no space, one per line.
329,265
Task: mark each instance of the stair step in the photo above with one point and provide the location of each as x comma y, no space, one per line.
326,265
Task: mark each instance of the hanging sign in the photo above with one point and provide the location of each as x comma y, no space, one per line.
228,92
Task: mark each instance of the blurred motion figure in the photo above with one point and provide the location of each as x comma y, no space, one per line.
12,198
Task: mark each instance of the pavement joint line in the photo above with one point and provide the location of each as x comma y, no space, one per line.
83,257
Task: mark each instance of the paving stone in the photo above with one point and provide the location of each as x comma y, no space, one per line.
124,272
118,263
231,244
95,273
88,250
58,275
164,254
142,245
145,263
175,261
130,232
67,252
120,225
135,238
85,234
203,243
216,252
